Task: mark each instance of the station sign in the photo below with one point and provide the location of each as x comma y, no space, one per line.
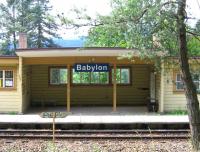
91,67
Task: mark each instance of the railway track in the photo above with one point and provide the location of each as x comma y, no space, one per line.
95,134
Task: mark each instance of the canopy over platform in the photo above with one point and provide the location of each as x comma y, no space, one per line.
74,51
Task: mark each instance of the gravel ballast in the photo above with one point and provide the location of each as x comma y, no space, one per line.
25,145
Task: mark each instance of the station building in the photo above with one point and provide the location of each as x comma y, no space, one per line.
96,77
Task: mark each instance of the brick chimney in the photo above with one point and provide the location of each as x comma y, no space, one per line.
22,41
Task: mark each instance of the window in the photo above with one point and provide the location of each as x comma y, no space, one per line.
196,80
90,78
58,76
180,85
1,79
122,75
6,79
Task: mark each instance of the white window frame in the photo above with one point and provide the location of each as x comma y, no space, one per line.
197,81
180,81
120,80
4,79
57,84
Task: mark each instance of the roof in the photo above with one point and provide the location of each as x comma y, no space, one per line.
79,51
191,57
69,48
8,56
74,51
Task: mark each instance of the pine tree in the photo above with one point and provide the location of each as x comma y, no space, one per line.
43,25
29,16
7,24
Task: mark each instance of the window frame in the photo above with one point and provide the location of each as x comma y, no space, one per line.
176,81
175,90
197,81
49,76
4,88
130,75
88,84
109,84
2,78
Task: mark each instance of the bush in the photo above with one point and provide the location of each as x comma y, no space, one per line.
178,112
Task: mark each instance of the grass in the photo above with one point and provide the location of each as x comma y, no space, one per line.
177,112
12,113
96,149
51,147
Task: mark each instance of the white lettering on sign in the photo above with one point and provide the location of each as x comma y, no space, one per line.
78,67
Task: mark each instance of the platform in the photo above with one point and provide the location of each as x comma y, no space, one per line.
95,115
96,119
89,110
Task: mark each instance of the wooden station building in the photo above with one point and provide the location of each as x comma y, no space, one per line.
47,77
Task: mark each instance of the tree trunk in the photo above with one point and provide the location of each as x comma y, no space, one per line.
39,38
190,89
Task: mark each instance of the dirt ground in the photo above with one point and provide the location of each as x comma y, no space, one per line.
9,145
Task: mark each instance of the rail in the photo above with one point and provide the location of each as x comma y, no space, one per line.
95,134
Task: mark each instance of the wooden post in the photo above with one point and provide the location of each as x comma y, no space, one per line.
162,91
20,68
68,88
114,88
54,116
152,87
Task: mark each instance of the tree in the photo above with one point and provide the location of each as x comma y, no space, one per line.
151,26
14,19
190,89
197,27
8,27
107,35
29,16
193,45
133,24
43,25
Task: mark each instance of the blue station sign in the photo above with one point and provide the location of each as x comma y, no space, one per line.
91,67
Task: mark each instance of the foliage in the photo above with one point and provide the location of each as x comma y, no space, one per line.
96,149
43,25
90,77
193,40
154,29
178,112
146,25
122,76
107,35
29,16
13,113
194,46
8,26
53,147
197,27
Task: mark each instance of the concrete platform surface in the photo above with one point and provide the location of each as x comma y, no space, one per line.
94,115
95,119
88,110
